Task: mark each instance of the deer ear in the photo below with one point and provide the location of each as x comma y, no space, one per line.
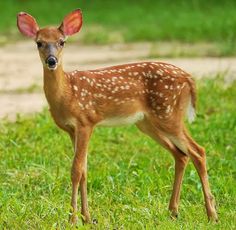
27,25
71,23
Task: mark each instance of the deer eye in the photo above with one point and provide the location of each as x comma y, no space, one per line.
39,44
62,43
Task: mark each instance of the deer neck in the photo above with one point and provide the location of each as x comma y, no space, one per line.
55,83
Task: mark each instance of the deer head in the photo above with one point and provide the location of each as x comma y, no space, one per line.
50,40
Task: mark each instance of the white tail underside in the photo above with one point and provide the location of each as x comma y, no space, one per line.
191,112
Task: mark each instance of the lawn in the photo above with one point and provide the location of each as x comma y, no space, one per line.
131,21
130,176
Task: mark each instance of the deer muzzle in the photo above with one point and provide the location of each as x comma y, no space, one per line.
51,62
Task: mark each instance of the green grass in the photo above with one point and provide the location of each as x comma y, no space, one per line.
130,176
130,21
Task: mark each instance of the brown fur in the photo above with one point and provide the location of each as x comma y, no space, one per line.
167,129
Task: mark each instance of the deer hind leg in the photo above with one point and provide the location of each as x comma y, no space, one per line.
198,156
181,161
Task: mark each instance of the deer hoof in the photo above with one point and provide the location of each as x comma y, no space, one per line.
174,214
86,218
73,219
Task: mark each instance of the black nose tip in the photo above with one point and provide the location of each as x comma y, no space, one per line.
51,61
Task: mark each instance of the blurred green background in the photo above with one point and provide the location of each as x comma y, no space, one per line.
131,21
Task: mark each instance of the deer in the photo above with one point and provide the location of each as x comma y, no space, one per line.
155,96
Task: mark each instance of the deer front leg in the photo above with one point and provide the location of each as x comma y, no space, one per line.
79,174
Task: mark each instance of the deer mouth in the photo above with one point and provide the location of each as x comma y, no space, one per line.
51,62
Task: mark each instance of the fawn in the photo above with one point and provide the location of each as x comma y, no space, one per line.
154,96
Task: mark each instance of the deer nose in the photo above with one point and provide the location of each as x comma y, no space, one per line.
51,61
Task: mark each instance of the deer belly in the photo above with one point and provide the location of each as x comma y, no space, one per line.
122,120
